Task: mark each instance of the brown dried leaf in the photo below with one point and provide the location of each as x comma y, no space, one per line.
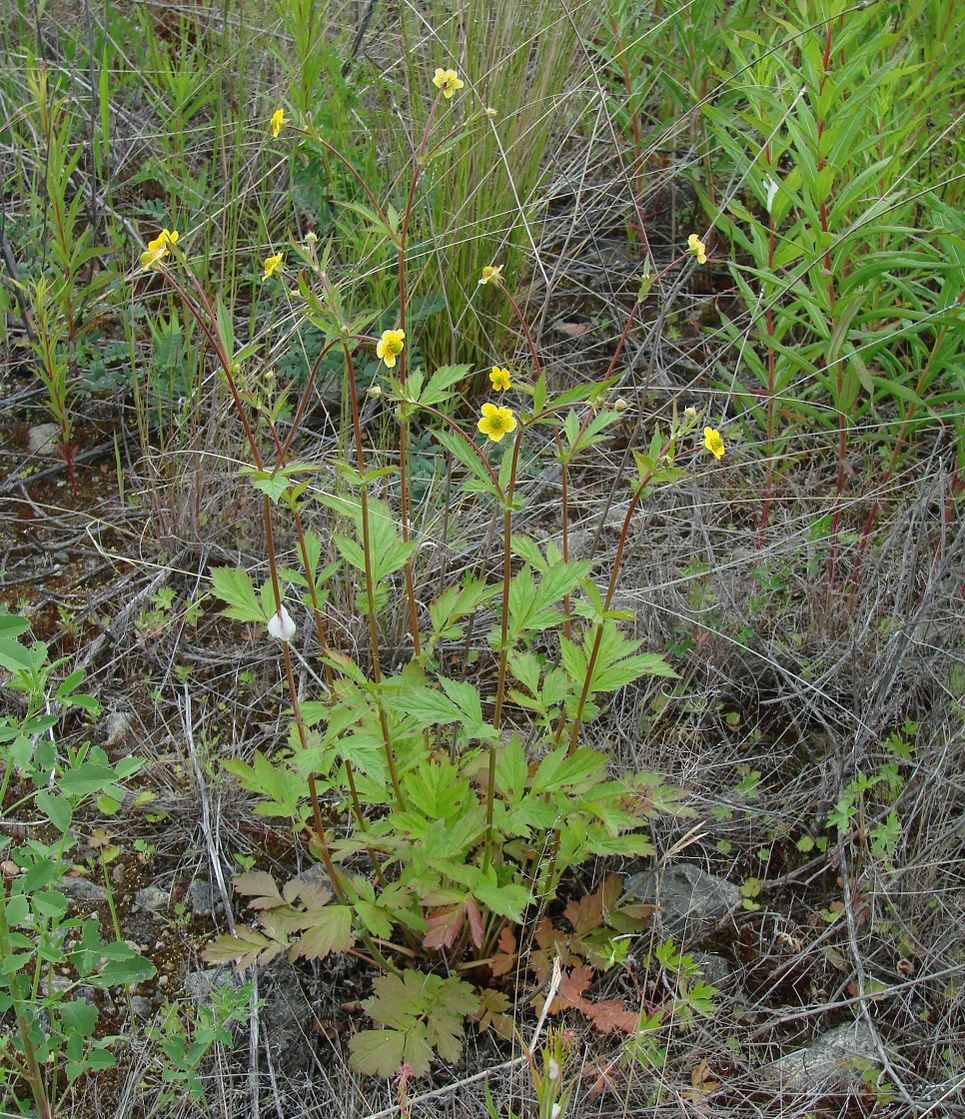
260,887
571,329
610,1016
492,1008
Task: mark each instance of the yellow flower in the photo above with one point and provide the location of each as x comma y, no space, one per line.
697,247
278,122
390,346
157,249
271,265
713,442
491,274
496,422
448,81
500,379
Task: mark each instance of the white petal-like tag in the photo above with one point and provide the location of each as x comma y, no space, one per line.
281,626
772,189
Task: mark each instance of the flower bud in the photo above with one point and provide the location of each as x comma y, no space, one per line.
281,626
620,405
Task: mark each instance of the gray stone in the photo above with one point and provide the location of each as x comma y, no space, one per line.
203,898
690,901
117,727
839,1056
716,971
82,889
199,984
141,1007
42,439
152,899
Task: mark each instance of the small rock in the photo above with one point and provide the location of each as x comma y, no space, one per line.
578,543
691,901
716,971
42,439
199,984
152,899
141,1007
60,558
203,898
836,1055
64,985
117,726
118,874
82,889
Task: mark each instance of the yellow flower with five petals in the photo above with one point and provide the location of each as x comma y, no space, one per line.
271,265
491,274
500,379
496,422
278,122
448,81
697,247
390,346
713,442
157,248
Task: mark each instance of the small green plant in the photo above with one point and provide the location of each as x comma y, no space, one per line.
56,1040
186,1038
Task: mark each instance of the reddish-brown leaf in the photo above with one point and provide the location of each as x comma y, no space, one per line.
610,1016
571,988
475,922
442,927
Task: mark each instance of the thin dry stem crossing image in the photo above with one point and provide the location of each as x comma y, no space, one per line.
481,560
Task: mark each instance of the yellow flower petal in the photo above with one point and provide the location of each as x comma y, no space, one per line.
496,422
271,265
491,274
448,81
500,379
713,442
389,346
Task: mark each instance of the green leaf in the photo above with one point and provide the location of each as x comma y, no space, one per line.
12,626
437,790
129,968
457,446
331,931
510,900
56,808
79,1016
383,1052
560,771
437,390
234,586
